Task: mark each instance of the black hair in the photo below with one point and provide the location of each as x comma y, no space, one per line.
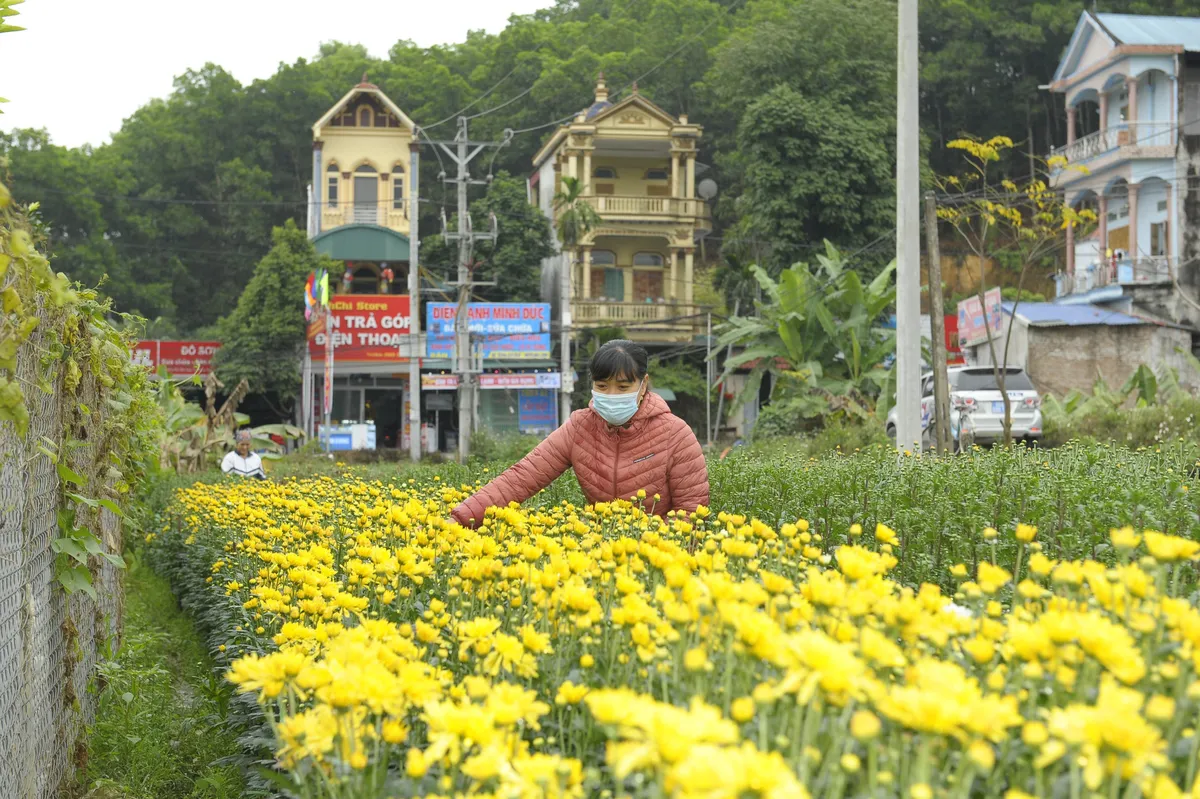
619,359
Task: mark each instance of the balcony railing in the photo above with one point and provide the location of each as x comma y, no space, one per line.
350,213
1149,271
601,313
633,207
1126,134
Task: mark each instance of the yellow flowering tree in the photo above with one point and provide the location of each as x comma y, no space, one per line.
1022,224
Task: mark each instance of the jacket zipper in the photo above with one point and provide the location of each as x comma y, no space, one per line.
616,465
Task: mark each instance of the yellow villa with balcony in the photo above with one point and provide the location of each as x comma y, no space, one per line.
637,165
360,208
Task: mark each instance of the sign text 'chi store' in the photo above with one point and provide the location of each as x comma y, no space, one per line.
365,328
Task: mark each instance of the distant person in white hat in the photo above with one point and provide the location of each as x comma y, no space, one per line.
242,461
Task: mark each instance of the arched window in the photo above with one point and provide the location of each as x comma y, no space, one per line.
331,183
657,174
606,172
608,282
648,259
365,168
364,116
397,187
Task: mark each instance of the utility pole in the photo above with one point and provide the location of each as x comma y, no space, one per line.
462,151
908,234
937,328
708,373
716,433
414,306
567,384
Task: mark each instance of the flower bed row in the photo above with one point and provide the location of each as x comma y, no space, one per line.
600,652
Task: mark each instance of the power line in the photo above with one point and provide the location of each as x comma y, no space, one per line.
468,106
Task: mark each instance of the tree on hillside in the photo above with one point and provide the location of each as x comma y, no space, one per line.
812,171
264,337
805,133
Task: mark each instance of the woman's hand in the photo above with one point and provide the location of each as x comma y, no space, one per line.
462,515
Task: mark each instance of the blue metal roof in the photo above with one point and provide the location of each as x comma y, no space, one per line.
1052,314
597,107
1139,29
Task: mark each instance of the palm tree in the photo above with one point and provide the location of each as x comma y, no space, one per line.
576,217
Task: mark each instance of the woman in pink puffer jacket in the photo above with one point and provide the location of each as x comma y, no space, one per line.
627,440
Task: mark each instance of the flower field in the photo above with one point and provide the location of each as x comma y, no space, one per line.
562,651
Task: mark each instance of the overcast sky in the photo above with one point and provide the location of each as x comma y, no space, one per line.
82,66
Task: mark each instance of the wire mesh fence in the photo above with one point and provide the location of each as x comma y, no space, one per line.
49,641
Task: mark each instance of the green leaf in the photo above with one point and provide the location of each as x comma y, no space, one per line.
69,475
69,547
91,503
75,578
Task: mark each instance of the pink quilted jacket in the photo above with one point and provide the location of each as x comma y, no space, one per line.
655,451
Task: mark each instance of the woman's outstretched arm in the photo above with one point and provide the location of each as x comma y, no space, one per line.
522,480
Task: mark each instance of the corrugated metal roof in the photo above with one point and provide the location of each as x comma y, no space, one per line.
1139,29
1051,314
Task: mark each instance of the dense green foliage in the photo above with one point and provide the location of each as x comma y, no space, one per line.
264,337
71,394
796,97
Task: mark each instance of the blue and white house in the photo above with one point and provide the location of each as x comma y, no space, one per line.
1132,90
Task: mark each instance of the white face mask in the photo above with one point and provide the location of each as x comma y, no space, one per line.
616,409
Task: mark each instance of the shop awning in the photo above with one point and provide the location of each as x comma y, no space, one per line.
665,393
362,243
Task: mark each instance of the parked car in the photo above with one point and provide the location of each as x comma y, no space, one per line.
975,387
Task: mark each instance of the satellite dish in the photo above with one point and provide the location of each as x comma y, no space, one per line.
707,189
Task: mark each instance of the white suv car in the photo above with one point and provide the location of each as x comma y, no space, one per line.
974,388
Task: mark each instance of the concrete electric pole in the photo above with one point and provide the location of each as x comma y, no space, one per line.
462,151
414,308
908,235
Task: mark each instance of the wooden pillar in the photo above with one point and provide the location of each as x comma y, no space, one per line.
688,276
585,290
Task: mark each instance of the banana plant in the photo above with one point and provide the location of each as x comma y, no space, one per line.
819,332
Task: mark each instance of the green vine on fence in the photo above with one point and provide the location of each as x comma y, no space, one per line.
58,343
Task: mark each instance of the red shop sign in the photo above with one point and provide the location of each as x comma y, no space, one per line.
366,327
